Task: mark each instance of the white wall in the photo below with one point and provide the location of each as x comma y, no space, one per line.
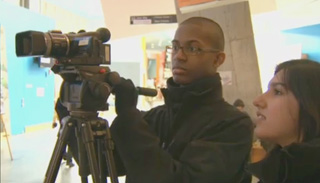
117,16
267,27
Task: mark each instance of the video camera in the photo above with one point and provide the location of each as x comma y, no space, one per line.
83,48
77,59
85,89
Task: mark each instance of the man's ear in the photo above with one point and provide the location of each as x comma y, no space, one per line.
221,56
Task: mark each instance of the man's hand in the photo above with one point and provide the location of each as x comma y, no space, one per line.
126,96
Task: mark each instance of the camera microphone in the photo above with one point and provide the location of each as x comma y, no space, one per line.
103,34
113,78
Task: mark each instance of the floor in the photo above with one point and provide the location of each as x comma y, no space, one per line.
31,154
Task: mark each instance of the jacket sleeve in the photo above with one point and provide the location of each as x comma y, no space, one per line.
217,155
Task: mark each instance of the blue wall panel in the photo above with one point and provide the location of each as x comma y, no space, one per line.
308,37
31,88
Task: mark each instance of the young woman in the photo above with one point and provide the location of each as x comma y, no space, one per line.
289,115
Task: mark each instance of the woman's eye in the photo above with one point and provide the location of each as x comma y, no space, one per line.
277,92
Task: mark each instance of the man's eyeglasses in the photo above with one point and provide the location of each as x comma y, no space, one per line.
192,50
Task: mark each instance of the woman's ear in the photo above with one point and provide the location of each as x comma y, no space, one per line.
221,56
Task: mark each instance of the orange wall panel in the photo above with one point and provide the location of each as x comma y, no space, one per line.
183,3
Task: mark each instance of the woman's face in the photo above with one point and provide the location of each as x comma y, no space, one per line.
278,113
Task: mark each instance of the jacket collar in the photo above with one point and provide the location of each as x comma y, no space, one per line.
176,93
297,161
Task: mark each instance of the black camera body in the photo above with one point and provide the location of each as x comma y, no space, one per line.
78,59
83,48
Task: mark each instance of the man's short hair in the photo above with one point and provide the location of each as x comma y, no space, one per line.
217,32
238,103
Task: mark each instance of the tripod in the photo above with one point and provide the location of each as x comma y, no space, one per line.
92,138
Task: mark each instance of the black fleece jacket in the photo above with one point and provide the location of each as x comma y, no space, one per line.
296,163
195,137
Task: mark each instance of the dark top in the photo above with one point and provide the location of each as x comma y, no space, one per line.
194,137
296,163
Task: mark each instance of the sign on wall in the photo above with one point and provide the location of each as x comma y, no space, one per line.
153,19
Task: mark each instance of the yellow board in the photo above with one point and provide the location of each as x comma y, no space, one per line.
42,126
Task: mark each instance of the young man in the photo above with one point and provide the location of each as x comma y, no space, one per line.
196,136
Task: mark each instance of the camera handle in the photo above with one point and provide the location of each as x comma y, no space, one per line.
89,130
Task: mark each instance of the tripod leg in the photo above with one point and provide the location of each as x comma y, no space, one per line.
109,146
56,157
101,160
88,139
82,157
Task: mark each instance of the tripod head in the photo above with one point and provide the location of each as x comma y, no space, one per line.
84,88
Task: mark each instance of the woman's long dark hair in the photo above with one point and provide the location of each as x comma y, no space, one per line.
302,77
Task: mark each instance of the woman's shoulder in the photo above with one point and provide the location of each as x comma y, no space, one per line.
300,160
